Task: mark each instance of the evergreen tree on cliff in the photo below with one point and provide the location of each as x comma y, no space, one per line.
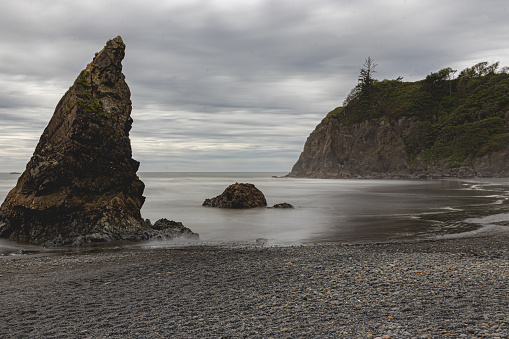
366,80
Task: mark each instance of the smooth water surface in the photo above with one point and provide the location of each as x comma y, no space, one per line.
326,210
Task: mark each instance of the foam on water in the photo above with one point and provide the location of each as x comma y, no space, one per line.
494,219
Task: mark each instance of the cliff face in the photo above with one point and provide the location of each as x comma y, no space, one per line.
366,149
376,148
81,183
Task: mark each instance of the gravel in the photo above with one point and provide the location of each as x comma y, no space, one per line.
454,288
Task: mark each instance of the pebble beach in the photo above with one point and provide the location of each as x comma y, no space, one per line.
434,288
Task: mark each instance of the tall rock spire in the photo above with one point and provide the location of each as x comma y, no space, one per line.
80,184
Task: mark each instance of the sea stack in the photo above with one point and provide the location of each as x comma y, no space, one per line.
81,184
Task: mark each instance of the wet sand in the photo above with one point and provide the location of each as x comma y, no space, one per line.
416,289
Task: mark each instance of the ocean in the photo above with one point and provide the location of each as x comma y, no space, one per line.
326,210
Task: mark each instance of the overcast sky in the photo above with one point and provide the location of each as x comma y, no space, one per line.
228,85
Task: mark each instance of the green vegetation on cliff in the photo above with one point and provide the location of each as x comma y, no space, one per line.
460,118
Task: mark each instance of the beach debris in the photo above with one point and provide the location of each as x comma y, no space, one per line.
262,241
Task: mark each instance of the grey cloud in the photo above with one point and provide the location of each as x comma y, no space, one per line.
226,85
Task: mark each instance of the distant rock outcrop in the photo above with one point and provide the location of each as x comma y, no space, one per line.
439,127
373,148
80,184
238,196
376,149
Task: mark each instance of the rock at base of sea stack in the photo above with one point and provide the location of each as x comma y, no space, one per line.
238,196
164,229
81,184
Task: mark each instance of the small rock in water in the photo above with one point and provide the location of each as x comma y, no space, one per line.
283,205
238,196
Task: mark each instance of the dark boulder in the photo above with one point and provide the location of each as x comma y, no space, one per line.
238,196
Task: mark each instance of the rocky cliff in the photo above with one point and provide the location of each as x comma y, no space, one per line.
80,184
368,149
431,128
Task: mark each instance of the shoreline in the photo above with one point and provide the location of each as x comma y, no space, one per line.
16,249
12,249
429,288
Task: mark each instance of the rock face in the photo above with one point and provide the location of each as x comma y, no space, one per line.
80,184
238,196
375,148
371,148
